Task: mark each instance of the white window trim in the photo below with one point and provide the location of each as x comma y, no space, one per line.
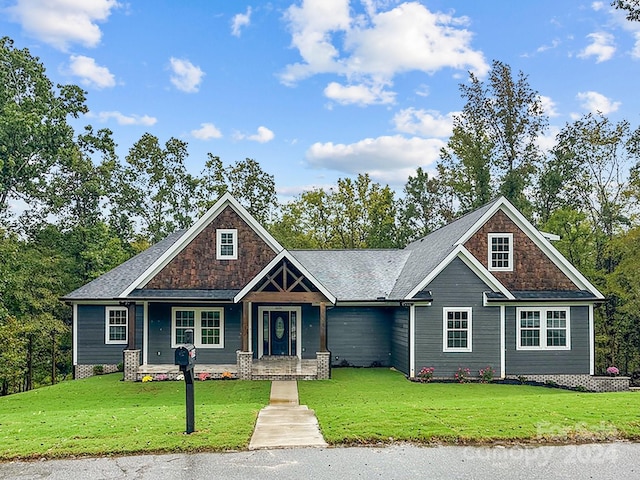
445,346
543,327
197,328
219,254
490,251
107,330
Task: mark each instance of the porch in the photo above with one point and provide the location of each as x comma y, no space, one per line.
266,368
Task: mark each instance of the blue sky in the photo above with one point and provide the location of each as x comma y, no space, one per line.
322,89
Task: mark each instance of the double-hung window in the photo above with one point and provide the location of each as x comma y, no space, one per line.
116,327
227,244
207,324
457,329
543,328
500,252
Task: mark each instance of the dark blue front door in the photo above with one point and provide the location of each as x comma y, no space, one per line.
280,333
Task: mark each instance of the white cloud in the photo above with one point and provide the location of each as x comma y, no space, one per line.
373,47
596,102
186,76
240,20
122,119
602,47
207,131
358,94
597,6
63,22
263,135
388,158
424,122
549,106
90,72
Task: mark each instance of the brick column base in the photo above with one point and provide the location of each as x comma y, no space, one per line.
324,365
245,364
131,364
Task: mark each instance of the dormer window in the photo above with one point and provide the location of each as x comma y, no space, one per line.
501,252
227,244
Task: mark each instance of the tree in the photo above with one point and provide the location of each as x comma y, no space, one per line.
426,206
356,214
154,189
245,180
34,133
631,6
494,140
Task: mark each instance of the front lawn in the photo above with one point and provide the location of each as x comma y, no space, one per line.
103,415
380,405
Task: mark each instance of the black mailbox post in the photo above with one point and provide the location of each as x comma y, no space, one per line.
185,358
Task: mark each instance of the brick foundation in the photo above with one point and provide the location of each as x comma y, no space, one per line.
245,364
588,382
324,365
131,364
86,371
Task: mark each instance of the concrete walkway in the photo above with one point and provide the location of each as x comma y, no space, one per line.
284,423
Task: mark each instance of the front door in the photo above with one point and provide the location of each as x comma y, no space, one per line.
280,328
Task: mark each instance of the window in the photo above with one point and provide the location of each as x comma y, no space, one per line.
207,325
501,252
116,326
457,329
227,244
543,328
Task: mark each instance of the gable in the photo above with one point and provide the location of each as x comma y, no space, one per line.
196,265
532,268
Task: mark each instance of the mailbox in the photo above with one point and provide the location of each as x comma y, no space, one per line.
185,356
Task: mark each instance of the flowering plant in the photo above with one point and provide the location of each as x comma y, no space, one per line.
226,375
180,376
204,376
462,375
426,374
161,377
613,371
147,378
486,374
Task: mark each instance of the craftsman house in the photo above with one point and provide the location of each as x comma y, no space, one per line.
486,290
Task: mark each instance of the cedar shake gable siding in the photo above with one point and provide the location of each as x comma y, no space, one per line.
532,268
196,266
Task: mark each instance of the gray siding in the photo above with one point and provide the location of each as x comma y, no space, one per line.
457,286
400,340
359,335
527,362
160,351
91,327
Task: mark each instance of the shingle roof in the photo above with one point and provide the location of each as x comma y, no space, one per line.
352,275
428,252
114,282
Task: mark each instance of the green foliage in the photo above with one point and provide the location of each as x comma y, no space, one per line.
357,214
34,133
493,148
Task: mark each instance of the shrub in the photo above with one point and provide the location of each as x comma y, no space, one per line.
98,369
147,378
613,371
120,367
226,376
462,375
522,379
204,376
161,377
486,374
426,374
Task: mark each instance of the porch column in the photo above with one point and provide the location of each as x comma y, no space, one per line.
131,323
323,327
244,327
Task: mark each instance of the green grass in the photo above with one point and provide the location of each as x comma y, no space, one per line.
103,415
379,405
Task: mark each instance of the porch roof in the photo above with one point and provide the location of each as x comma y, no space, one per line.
543,296
157,294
